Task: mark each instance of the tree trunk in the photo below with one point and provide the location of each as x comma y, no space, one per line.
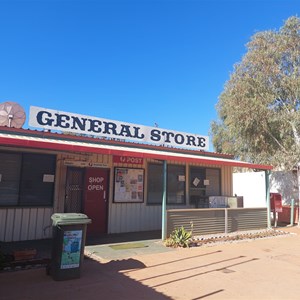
298,177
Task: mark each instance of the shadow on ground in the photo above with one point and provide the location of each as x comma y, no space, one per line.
97,281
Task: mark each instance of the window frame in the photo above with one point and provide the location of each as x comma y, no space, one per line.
161,184
150,164
44,189
219,179
184,184
198,195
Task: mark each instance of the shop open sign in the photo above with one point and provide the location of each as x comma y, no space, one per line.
95,184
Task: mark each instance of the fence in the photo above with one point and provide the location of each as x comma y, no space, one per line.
217,220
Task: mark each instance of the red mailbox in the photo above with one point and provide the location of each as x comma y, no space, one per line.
276,202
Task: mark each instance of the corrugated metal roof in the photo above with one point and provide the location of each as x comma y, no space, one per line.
100,140
35,142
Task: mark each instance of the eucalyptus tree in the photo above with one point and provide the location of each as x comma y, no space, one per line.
259,108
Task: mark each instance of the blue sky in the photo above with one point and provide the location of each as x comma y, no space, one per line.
143,62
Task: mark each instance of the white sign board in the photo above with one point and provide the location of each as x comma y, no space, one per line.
48,178
85,164
50,119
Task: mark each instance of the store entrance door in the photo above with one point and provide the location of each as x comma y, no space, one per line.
96,200
74,189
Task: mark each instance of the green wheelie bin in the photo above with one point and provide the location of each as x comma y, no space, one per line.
69,232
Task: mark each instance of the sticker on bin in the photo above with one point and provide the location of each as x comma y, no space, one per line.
70,257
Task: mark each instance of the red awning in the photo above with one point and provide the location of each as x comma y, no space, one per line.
69,145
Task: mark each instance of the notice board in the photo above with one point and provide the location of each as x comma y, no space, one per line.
129,185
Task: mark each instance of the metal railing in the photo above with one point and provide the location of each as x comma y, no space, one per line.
217,220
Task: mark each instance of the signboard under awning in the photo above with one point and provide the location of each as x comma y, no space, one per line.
85,164
128,160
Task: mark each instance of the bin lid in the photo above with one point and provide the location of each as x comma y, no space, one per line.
69,219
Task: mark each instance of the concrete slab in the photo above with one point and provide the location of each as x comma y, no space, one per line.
107,252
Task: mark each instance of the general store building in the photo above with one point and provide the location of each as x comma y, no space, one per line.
111,171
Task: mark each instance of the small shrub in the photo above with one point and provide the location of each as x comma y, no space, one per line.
169,242
179,238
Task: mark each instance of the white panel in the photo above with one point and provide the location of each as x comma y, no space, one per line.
125,214
136,211
3,213
17,224
32,224
143,212
9,225
286,184
25,224
110,217
134,217
119,218
125,217
131,217
154,223
145,218
116,227
116,223
138,221
251,186
47,223
39,223
111,213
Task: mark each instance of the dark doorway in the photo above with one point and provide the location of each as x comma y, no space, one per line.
74,190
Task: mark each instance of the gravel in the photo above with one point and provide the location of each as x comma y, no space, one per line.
238,236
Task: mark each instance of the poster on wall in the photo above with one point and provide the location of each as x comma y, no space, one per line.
129,185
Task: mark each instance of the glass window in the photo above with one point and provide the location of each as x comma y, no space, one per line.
26,179
213,178
10,169
197,176
204,182
197,187
155,184
175,184
35,188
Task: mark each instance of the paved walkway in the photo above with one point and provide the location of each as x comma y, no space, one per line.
119,251
260,269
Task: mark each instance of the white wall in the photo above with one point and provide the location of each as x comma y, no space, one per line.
284,183
21,224
251,186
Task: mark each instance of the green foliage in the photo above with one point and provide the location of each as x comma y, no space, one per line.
179,238
259,109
